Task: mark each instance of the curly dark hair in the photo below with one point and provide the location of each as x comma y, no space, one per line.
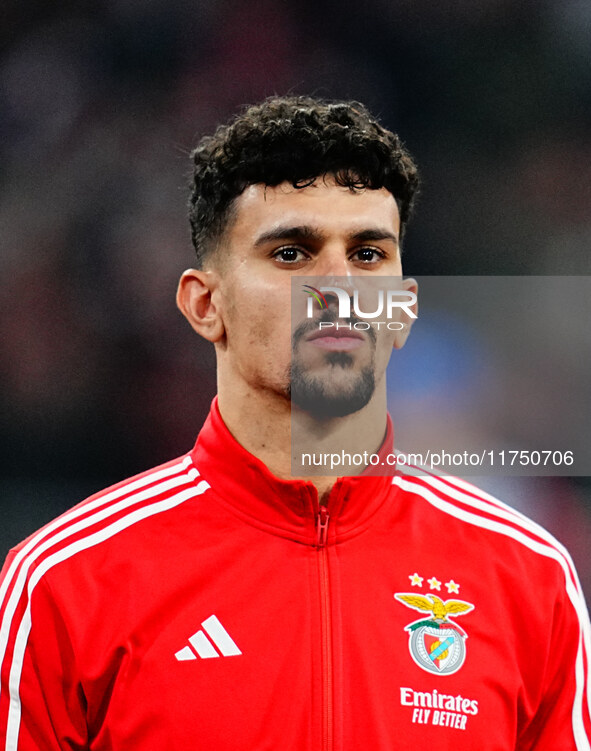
294,139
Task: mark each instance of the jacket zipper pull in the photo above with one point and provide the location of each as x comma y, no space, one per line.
322,526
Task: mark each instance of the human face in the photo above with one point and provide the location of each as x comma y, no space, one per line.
323,230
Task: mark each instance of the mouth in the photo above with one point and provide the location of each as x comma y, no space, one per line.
336,338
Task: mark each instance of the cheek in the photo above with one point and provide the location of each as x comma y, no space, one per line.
259,329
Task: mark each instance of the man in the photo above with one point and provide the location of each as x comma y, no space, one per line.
218,603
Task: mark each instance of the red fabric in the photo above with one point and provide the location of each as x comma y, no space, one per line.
98,606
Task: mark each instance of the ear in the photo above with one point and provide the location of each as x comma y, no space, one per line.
408,285
196,298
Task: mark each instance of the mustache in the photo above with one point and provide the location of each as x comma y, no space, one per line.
328,316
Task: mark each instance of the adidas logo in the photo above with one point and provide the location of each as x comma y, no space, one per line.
204,646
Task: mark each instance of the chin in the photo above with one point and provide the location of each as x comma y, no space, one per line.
332,395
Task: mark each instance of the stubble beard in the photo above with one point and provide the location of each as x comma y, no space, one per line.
322,398
339,391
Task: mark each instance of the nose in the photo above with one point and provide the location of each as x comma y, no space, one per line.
334,269
333,262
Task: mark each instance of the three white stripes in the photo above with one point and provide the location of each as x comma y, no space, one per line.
187,477
204,647
551,548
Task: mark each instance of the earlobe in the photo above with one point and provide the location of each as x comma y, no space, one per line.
408,285
196,298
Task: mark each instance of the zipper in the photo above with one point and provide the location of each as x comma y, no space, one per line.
325,628
322,526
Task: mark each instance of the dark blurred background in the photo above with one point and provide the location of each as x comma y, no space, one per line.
100,104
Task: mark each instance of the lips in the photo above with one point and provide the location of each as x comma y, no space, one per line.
342,339
335,333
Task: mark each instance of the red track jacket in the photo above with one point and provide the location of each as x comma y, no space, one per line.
207,604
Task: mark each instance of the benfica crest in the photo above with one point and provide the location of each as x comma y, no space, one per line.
437,644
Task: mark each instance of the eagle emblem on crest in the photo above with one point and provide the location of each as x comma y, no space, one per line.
436,644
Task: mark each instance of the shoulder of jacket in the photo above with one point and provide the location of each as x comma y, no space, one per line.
101,517
460,503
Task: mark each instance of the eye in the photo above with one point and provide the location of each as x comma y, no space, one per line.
368,255
289,254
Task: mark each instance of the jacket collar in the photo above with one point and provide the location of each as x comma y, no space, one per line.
289,508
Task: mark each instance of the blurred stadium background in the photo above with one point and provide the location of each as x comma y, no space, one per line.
100,103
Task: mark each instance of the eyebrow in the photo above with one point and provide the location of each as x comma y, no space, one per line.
312,234
304,232
367,235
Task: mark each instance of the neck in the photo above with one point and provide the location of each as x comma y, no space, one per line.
264,423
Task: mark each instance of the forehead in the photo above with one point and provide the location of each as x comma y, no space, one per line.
330,208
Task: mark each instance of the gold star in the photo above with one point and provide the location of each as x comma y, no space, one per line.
416,580
434,583
452,587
